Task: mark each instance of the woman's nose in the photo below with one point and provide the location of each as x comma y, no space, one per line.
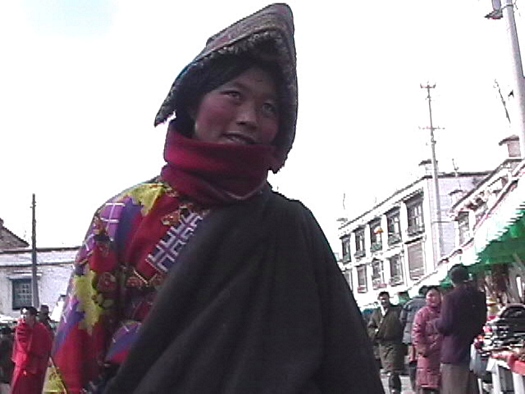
247,115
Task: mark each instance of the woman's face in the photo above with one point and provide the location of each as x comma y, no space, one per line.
28,317
242,111
433,297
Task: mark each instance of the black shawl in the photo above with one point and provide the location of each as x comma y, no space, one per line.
256,304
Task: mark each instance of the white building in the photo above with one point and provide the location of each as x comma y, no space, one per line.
54,267
396,243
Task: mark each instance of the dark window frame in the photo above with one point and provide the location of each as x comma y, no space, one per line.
415,215
359,242
396,275
346,246
20,301
362,280
376,240
463,227
378,274
393,225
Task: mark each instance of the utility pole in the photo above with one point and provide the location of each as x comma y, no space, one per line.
435,178
34,279
504,9
517,68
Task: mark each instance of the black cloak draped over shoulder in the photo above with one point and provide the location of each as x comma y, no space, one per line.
255,304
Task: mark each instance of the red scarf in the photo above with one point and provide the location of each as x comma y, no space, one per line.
215,174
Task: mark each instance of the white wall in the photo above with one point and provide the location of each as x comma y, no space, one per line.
52,282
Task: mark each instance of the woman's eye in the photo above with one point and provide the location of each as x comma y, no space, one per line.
270,108
233,93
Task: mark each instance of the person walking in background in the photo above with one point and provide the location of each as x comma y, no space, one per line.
6,364
385,327
427,341
402,297
31,349
203,279
463,315
367,314
43,317
407,318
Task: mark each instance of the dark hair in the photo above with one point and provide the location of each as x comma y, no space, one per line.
212,75
383,293
31,309
433,287
5,330
423,290
458,274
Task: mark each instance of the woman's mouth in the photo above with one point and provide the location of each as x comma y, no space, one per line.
239,139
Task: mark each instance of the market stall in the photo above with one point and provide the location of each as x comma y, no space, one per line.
499,244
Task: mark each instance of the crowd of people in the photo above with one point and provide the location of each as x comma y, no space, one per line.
430,336
25,350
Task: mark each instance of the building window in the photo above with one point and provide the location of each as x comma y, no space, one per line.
463,227
396,270
361,279
22,294
378,277
415,215
345,241
416,268
348,276
360,242
393,227
480,211
375,235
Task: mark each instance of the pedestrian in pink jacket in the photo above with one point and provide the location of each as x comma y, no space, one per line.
427,341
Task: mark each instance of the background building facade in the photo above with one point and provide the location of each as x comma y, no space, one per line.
400,240
53,272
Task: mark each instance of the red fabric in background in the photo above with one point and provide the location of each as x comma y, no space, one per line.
512,359
518,366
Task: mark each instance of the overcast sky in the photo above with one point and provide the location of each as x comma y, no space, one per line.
81,82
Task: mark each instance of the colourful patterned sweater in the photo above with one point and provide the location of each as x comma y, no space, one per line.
132,243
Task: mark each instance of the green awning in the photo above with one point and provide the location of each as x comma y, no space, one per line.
508,246
500,238
505,249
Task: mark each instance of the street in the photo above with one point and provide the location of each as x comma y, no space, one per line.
405,384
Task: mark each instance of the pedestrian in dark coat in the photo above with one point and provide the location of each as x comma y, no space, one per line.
385,328
43,317
463,315
367,314
6,364
407,316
